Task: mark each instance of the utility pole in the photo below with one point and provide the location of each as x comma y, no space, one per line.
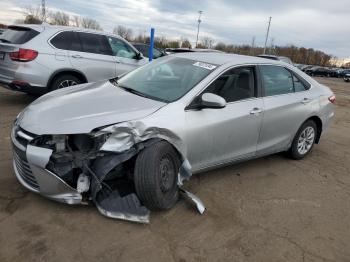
199,22
272,46
43,11
267,34
253,46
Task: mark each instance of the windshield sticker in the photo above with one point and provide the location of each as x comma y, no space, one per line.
205,65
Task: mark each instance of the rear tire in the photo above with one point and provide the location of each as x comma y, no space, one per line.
63,81
155,176
304,140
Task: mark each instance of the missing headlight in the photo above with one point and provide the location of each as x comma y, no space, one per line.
82,142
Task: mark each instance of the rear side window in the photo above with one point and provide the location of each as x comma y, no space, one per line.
277,80
300,84
18,35
94,43
67,41
62,40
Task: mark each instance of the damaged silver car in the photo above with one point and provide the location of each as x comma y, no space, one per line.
129,143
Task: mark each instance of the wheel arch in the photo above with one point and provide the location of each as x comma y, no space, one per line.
317,120
67,71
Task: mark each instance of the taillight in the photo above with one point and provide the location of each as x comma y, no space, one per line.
24,55
332,99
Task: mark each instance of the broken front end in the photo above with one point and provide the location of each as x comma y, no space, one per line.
75,169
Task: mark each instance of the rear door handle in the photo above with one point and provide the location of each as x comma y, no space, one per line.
255,111
306,100
77,56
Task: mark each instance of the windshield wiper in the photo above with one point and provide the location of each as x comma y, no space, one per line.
131,90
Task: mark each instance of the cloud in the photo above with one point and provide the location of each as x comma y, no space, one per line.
319,24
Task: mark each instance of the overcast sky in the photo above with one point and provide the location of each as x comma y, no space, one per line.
318,24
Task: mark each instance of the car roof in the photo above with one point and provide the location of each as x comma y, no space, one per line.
41,27
223,58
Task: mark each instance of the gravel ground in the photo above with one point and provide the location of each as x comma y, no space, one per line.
269,209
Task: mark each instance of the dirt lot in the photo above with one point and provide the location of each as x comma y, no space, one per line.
270,209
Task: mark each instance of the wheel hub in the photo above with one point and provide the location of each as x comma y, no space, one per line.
306,140
166,175
67,83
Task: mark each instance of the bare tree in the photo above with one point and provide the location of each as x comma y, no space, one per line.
86,22
59,18
29,19
32,15
207,42
221,46
75,21
123,31
185,43
174,44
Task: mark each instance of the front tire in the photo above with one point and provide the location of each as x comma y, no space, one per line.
304,140
155,176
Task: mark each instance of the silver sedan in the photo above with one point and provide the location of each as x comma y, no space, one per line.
129,144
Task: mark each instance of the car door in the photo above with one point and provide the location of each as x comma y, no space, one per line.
287,104
127,58
91,54
218,136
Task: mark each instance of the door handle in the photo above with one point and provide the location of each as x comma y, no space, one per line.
77,56
255,111
306,100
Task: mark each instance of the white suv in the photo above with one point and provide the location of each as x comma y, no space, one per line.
42,58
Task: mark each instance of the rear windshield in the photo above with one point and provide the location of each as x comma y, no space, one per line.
18,35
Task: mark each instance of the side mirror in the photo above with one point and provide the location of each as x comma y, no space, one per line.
210,100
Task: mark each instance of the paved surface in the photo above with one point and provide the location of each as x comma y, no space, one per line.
270,209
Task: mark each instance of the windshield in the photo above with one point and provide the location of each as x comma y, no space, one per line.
166,79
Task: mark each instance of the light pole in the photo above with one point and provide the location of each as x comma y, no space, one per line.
267,34
199,22
43,10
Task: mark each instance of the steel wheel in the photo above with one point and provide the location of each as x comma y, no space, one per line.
306,140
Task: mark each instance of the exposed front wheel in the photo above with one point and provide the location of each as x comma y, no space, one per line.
155,176
304,140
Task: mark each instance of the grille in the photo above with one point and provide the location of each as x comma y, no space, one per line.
21,163
24,171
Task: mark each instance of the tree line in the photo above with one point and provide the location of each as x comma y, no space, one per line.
299,55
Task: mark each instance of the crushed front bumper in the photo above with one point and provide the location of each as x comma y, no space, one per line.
29,165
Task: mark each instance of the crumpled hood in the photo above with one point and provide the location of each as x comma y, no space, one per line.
82,108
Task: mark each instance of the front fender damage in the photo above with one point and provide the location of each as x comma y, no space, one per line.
126,140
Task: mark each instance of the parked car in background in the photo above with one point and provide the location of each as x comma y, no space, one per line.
347,77
144,49
128,143
336,72
279,58
344,72
306,67
318,71
42,58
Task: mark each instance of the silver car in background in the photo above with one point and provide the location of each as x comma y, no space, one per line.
42,58
129,144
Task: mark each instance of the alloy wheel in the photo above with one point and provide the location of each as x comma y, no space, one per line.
67,83
306,140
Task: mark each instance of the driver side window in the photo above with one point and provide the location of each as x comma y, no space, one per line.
235,84
121,49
